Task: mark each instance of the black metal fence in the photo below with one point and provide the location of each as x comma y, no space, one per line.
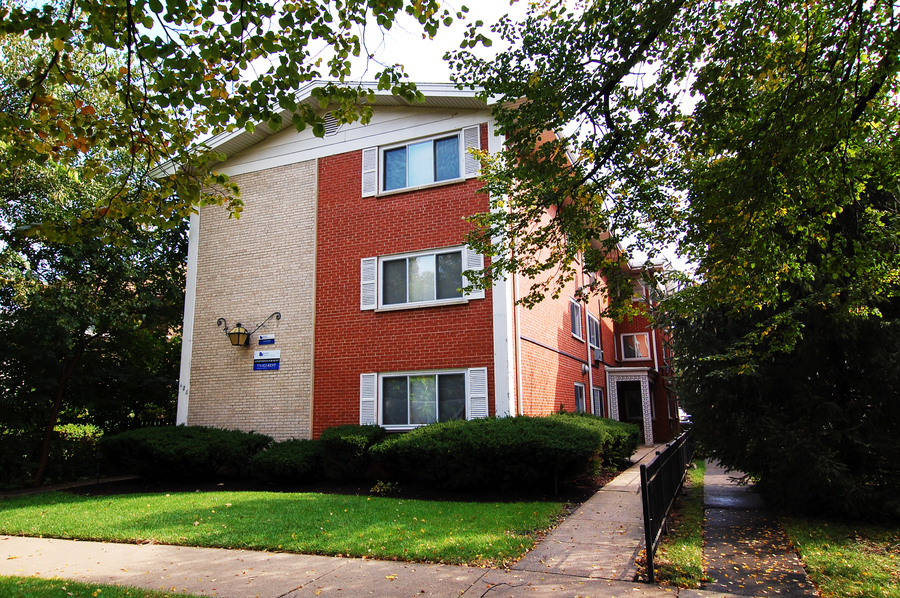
660,483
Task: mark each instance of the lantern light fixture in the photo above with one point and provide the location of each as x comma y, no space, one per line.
239,336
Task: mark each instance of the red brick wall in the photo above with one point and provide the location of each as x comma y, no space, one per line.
348,341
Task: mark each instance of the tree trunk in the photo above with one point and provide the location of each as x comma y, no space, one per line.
64,378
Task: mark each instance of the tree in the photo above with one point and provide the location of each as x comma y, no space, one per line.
90,328
90,325
181,70
762,138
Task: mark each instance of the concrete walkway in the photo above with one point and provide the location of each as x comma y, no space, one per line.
590,554
746,553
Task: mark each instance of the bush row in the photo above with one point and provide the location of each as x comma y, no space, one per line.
504,453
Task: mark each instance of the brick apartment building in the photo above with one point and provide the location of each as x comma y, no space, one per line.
356,240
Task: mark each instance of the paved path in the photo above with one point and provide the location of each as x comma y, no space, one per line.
746,552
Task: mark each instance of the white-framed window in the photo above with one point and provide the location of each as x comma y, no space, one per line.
420,162
575,317
579,397
406,400
639,291
593,331
636,346
418,279
597,402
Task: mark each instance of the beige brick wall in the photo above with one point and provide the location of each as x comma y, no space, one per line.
248,268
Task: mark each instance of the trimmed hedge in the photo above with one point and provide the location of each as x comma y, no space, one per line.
505,453
345,450
291,461
184,452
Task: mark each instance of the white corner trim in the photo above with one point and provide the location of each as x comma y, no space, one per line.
504,337
187,330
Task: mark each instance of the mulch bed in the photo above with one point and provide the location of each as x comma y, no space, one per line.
571,495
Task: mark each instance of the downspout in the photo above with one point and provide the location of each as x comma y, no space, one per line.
520,401
589,395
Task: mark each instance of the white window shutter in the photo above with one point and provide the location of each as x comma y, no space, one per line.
471,139
473,261
368,278
368,397
370,172
478,393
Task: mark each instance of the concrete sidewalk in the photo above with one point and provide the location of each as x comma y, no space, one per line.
590,554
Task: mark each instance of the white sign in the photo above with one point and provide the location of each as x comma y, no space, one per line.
273,354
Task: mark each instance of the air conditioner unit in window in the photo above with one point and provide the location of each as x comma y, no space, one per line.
598,355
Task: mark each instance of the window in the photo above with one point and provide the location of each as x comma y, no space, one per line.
597,402
593,331
636,346
418,279
639,291
579,398
405,400
421,162
575,316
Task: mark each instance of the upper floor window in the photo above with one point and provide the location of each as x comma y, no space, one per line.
593,331
421,162
418,279
575,317
636,346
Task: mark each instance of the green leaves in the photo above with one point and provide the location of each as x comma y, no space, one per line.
179,71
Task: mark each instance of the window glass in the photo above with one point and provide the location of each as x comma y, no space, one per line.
451,397
421,278
593,331
395,169
579,398
575,316
635,346
394,401
422,404
597,399
421,163
449,275
446,158
394,286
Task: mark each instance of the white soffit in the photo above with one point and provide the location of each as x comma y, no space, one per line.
437,95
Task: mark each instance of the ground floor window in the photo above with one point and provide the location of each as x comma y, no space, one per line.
597,401
423,399
579,398
405,400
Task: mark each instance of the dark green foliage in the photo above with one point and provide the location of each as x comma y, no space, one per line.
816,424
345,450
291,461
185,452
513,452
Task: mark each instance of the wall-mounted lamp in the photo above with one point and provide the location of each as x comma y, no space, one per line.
238,335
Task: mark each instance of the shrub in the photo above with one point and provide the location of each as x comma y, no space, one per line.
512,452
346,450
184,451
291,461
617,440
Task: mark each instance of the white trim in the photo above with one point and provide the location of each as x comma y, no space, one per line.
187,330
389,126
622,341
368,399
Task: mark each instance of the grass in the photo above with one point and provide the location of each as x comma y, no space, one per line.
679,558
35,587
479,534
848,559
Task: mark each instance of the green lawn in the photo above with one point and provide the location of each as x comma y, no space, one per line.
679,558
327,524
848,559
35,587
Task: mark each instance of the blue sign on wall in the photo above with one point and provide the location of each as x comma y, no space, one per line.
266,339
266,364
